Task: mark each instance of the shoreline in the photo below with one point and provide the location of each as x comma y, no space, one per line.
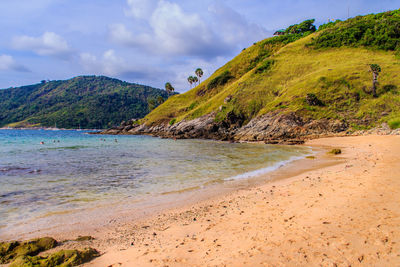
341,212
332,215
70,223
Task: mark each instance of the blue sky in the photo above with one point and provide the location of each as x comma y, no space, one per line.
146,41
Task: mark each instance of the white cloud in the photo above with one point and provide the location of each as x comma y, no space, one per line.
49,44
108,64
170,31
141,9
163,30
7,63
233,27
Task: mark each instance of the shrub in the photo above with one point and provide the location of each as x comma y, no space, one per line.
394,123
266,65
328,25
380,31
220,80
313,100
193,105
171,122
305,27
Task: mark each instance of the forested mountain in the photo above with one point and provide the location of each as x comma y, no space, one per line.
84,101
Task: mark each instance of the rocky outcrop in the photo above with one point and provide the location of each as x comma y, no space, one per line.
274,128
287,128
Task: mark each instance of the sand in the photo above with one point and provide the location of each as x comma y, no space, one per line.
340,215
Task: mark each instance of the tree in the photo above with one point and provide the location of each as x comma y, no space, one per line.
306,26
169,88
195,80
375,69
190,80
199,73
160,100
151,103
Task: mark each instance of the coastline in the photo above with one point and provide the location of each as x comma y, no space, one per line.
339,215
104,217
332,210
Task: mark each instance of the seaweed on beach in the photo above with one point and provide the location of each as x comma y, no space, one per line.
27,253
61,258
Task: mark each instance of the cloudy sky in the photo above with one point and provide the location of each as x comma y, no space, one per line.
146,41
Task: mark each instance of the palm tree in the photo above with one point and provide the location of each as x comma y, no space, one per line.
169,88
160,100
199,73
195,80
375,69
190,80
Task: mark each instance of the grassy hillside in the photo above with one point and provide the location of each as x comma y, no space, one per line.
283,73
86,101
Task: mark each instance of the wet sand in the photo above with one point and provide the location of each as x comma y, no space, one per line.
341,215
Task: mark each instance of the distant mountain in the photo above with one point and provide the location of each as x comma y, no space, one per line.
84,101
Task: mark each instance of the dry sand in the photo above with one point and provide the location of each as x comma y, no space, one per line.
341,215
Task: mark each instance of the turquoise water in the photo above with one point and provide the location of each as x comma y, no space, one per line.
73,170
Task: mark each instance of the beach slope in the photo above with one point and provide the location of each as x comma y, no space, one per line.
342,215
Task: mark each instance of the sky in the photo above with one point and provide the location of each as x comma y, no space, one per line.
148,42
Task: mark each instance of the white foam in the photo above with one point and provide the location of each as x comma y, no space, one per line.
265,170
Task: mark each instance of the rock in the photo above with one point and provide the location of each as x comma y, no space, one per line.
335,151
84,238
271,128
228,99
60,258
11,250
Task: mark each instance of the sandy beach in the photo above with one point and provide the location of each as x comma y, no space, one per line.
331,210
340,215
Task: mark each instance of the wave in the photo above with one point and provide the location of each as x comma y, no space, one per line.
18,170
261,171
77,147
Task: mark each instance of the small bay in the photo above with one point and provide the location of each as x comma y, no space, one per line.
49,172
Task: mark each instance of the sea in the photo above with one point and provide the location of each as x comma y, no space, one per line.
44,173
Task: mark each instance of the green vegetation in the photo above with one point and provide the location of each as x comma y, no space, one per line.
306,27
12,250
394,123
290,73
26,253
171,122
379,31
199,73
264,66
86,102
220,80
192,80
169,88
62,258
375,69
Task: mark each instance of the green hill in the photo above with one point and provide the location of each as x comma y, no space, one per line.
321,75
85,101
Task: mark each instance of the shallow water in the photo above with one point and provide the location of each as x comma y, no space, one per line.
73,170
